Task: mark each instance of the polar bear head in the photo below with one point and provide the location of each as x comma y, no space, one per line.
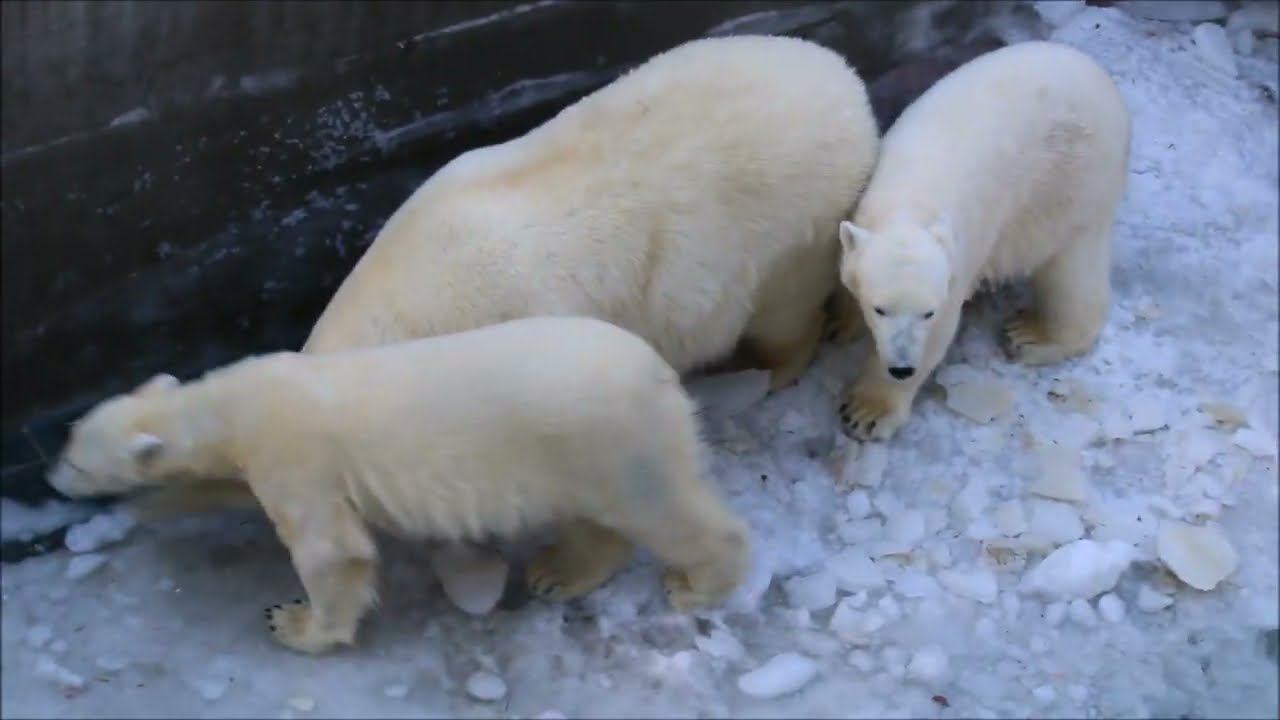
108,452
901,277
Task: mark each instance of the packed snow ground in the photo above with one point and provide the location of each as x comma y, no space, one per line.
892,580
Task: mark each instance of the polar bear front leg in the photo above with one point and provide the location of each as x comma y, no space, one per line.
583,557
876,405
335,559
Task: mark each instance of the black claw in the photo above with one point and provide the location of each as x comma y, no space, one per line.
272,627
871,426
844,408
297,601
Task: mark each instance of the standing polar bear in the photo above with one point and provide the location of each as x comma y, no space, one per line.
1013,164
693,201
495,430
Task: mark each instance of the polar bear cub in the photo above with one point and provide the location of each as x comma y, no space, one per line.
543,420
1013,164
694,201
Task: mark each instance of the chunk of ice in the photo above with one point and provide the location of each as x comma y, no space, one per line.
1111,608
486,687
782,674
1215,47
975,583
1061,477
99,531
81,566
1200,556
1149,600
472,577
811,592
854,570
981,399
906,527
1082,613
1080,570
48,669
929,664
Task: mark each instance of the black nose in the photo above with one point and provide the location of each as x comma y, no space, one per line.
902,373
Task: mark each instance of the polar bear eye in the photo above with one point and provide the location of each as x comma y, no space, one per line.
928,315
880,311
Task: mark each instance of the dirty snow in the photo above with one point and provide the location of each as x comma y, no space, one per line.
889,580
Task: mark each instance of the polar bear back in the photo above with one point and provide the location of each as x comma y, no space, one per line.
662,202
460,435
999,145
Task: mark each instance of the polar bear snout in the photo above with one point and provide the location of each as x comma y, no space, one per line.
901,372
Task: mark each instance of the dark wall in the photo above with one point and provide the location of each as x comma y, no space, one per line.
186,183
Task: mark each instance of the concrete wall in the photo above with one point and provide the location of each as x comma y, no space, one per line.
188,182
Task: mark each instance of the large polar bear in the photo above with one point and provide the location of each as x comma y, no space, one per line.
495,430
693,201
1013,164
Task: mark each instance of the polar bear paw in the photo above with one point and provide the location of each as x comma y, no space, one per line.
866,414
583,559
554,576
684,594
1026,340
293,626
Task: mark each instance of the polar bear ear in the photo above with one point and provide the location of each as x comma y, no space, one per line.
163,381
145,447
851,235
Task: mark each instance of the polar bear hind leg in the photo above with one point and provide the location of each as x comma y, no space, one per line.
583,557
335,558
785,343
698,538
1071,301
844,321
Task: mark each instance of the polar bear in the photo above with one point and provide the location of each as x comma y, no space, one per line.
1013,164
693,201
489,431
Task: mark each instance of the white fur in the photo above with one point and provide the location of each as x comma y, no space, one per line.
491,431
694,201
1012,165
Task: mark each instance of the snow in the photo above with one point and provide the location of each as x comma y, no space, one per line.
99,531
19,521
782,674
928,537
